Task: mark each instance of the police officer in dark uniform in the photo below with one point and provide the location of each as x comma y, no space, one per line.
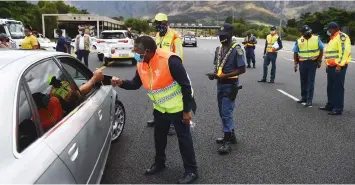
230,63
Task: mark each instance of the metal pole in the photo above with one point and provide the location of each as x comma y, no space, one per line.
43,28
281,22
98,26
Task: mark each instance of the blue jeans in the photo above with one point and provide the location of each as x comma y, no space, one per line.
270,57
225,106
250,55
335,88
308,70
83,54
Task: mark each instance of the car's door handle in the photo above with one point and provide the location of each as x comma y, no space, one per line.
73,152
100,115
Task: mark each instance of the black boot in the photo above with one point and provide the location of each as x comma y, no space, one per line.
233,139
226,146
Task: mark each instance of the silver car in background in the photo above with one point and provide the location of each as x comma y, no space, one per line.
75,148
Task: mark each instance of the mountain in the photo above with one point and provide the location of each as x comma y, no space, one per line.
260,12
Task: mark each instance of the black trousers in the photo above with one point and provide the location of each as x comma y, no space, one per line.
83,54
161,129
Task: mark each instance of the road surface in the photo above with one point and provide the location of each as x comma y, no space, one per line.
280,141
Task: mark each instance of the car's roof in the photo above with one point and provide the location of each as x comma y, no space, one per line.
8,56
114,31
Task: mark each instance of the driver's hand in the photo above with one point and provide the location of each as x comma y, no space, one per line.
116,81
98,76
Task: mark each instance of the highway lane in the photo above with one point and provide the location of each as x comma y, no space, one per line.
279,140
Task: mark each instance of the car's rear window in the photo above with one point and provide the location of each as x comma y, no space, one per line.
116,35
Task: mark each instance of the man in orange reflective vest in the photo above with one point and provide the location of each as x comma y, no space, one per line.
337,57
272,45
164,77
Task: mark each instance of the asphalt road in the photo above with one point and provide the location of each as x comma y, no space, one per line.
280,141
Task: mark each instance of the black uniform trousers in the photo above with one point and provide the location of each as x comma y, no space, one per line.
161,129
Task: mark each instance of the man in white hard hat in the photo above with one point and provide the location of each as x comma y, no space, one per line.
167,38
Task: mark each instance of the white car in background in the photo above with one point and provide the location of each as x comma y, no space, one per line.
46,44
115,45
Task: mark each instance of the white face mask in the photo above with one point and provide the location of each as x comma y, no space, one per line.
328,33
272,32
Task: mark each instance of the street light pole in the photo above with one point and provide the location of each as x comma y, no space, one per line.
280,22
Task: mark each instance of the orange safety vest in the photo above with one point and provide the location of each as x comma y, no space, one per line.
50,115
156,74
163,90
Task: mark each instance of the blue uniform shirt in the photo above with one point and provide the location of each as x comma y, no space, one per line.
234,61
60,44
296,49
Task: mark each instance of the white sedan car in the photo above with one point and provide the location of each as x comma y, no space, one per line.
115,45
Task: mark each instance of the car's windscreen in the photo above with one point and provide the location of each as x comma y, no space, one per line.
116,35
16,30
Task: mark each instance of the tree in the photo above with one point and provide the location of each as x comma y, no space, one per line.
138,25
229,20
292,23
239,29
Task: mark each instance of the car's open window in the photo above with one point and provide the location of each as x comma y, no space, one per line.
27,128
52,93
78,72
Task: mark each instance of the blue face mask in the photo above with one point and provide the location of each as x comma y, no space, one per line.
138,57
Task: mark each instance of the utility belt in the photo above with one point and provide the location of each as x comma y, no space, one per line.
232,95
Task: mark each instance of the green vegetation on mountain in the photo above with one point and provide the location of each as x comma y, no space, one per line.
31,14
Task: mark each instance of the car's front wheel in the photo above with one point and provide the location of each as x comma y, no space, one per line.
119,121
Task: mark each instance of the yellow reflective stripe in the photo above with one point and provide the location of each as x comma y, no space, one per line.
309,51
330,52
329,57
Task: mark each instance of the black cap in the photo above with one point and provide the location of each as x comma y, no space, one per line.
305,28
226,29
332,25
273,28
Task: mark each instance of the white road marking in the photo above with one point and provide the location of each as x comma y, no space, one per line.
289,95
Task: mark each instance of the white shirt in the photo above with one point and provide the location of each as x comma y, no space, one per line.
81,42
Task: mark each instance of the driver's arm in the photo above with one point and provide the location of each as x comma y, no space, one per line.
98,76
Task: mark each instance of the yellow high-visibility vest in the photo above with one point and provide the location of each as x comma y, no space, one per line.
308,48
338,51
271,39
171,41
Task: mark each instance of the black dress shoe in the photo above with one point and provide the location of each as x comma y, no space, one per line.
271,82
335,113
154,169
253,66
325,108
308,105
301,101
262,80
188,178
233,139
150,123
248,66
